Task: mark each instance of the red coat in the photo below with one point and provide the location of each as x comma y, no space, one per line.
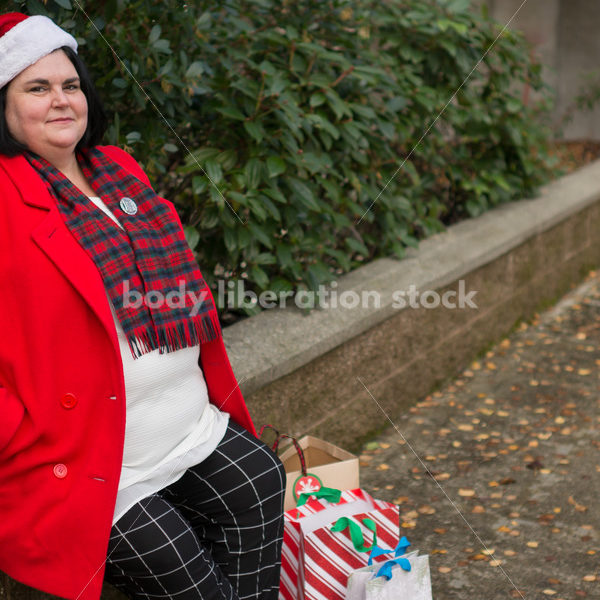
62,393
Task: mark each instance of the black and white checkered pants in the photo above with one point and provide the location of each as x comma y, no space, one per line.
213,534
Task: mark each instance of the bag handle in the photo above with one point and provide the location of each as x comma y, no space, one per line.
400,549
278,438
356,534
386,568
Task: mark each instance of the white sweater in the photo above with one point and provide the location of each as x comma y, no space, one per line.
170,423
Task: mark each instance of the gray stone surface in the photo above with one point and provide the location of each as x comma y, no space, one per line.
496,473
268,346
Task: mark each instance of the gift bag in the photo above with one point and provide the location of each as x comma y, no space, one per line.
324,541
311,463
403,578
319,464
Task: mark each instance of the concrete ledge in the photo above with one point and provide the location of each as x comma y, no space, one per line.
517,257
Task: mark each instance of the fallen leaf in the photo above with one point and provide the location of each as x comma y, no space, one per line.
440,530
589,578
466,492
426,510
495,562
444,569
578,507
533,544
400,500
509,553
383,467
549,592
478,509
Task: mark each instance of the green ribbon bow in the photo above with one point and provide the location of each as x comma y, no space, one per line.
329,494
356,534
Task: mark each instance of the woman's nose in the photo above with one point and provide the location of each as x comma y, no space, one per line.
59,98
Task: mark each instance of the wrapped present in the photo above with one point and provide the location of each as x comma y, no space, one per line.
325,540
405,577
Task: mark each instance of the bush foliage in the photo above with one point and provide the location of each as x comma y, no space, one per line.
300,138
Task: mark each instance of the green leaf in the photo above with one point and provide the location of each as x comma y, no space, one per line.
227,159
154,34
317,99
357,246
259,277
232,112
276,195
213,170
255,130
258,233
339,107
284,255
265,258
230,239
303,193
192,236
253,172
162,45
315,163
199,184
194,70
275,166
64,4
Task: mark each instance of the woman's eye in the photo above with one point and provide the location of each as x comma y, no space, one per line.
37,88
72,86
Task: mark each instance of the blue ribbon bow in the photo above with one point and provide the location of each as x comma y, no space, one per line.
386,569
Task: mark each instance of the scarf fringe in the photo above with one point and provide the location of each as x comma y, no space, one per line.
175,336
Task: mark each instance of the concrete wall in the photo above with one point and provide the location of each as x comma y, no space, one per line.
564,34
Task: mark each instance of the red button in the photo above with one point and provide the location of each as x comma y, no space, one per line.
69,400
60,471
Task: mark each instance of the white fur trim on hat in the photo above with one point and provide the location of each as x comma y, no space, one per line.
27,42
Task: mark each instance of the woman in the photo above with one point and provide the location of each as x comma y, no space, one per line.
126,449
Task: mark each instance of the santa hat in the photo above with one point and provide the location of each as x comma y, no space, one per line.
24,40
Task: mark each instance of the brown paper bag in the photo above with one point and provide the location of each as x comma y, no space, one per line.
334,467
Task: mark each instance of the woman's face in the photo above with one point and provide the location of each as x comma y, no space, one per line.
45,107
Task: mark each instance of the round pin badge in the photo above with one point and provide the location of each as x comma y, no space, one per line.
306,484
128,206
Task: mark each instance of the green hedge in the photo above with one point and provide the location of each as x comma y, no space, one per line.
306,122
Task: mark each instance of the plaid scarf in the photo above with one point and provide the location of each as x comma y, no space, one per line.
150,275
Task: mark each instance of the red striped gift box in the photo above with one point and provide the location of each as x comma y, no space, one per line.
316,561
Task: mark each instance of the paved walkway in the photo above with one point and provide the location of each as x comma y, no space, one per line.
497,474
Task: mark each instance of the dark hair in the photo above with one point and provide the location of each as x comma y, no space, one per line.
96,124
